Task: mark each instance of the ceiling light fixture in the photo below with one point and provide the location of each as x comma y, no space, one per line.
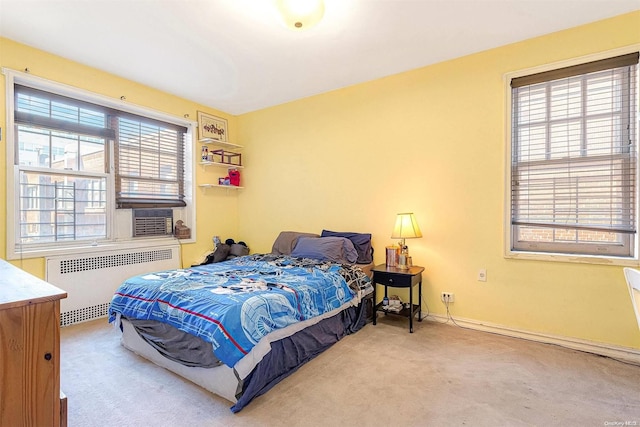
300,14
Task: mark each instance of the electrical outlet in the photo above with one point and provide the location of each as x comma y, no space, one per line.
482,275
446,297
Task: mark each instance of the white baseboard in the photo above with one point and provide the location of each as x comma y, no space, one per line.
626,354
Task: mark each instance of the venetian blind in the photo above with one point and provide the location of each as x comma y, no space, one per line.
574,147
149,163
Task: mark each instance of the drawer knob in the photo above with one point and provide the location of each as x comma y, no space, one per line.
47,356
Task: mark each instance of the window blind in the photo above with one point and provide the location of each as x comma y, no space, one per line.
149,163
46,110
573,163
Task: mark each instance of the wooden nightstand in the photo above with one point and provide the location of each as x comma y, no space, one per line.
396,278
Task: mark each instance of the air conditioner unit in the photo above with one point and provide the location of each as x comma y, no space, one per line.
152,222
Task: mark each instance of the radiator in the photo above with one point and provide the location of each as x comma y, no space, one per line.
91,279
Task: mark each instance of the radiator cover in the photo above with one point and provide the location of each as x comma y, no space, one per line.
91,279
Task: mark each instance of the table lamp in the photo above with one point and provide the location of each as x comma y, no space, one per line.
406,228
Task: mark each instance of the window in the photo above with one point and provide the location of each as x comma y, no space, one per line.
573,159
78,159
61,147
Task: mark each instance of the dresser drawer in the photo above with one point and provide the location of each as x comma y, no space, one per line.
394,279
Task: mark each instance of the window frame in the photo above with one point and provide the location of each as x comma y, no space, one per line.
509,229
118,220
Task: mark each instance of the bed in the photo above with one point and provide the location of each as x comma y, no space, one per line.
238,327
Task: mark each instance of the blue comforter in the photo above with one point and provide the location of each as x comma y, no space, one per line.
234,304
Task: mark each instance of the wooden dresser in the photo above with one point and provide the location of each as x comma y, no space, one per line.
29,349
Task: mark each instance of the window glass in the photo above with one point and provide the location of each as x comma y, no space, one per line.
56,208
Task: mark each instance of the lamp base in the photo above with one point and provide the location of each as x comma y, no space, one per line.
402,262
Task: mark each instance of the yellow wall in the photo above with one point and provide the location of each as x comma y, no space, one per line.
216,209
429,141
432,141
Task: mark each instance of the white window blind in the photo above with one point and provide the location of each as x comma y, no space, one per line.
573,163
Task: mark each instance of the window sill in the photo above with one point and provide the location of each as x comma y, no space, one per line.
573,258
72,249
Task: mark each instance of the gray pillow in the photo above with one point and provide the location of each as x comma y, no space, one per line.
361,241
336,249
286,241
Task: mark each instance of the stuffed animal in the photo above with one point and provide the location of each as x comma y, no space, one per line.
227,250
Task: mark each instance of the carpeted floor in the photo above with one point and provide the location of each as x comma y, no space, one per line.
439,375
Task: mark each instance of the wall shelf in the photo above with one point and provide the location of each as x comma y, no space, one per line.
219,143
220,165
221,158
228,187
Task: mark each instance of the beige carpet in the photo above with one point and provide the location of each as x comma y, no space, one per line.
440,375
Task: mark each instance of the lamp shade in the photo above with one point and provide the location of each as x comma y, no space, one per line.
406,227
300,14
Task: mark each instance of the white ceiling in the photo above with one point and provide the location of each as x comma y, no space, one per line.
235,56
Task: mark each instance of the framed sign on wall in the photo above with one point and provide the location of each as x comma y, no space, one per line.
212,127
